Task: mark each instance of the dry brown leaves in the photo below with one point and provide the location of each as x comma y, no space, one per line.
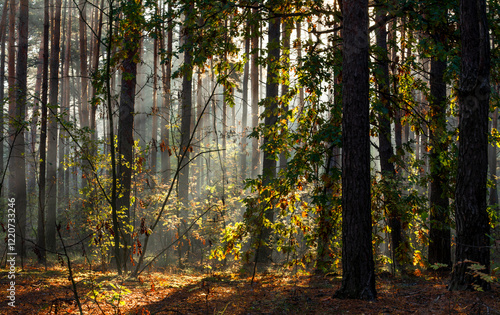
49,292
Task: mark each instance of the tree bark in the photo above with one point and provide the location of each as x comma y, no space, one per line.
43,139
186,112
154,111
244,115
165,113
186,107
439,232
265,249
493,195
126,126
386,152
287,31
11,79
358,275
472,222
255,96
84,112
2,90
52,129
18,152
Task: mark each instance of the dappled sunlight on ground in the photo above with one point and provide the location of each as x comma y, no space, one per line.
50,292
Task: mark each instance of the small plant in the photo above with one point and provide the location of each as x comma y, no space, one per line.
438,266
476,271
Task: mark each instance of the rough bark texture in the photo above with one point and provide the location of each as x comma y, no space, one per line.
439,233
186,107
126,127
264,253
185,113
358,277
473,97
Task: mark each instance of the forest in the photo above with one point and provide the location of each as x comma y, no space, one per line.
249,156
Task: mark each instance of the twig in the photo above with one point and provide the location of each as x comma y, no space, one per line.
75,292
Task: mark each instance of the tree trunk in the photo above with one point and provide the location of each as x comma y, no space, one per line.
61,185
154,111
472,222
11,75
439,232
299,57
265,249
287,31
94,62
43,139
165,113
199,132
186,107
358,275
18,152
126,127
52,129
493,195
244,115
386,152
255,96
2,91
65,105
84,113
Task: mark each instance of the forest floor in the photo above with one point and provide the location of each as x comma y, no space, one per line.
50,292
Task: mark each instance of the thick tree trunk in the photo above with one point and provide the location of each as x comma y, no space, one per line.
126,130
439,232
186,112
52,129
265,249
358,275
186,107
472,222
18,152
